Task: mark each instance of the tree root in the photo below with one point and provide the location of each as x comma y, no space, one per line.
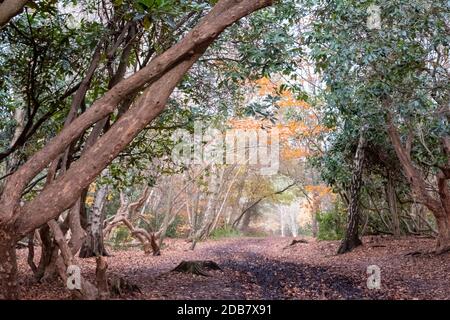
421,253
119,286
415,253
442,250
294,242
197,267
348,245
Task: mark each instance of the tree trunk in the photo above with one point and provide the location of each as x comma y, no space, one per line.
393,207
78,234
443,239
88,291
236,206
292,222
440,205
315,207
9,9
127,210
101,278
245,224
93,246
8,267
167,216
210,210
351,239
443,218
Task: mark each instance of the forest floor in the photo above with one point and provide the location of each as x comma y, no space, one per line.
267,268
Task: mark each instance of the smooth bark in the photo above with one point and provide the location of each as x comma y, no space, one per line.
9,9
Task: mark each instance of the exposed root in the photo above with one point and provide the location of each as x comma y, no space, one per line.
442,250
119,286
197,267
294,242
421,253
414,253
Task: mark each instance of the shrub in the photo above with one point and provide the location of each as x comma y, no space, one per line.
224,232
121,236
305,230
332,224
255,232
172,230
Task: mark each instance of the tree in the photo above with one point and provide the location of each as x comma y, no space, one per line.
392,78
351,239
153,85
126,214
93,243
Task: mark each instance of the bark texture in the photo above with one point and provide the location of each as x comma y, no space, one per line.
93,245
8,266
351,239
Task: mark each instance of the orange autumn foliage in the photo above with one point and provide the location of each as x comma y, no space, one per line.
317,194
320,189
289,131
249,124
265,86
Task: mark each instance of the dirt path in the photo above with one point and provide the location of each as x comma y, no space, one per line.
263,268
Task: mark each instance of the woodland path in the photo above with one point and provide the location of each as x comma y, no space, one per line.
263,268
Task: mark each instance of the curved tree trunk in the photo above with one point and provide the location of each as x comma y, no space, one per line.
123,215
9,9
47,247
439,205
